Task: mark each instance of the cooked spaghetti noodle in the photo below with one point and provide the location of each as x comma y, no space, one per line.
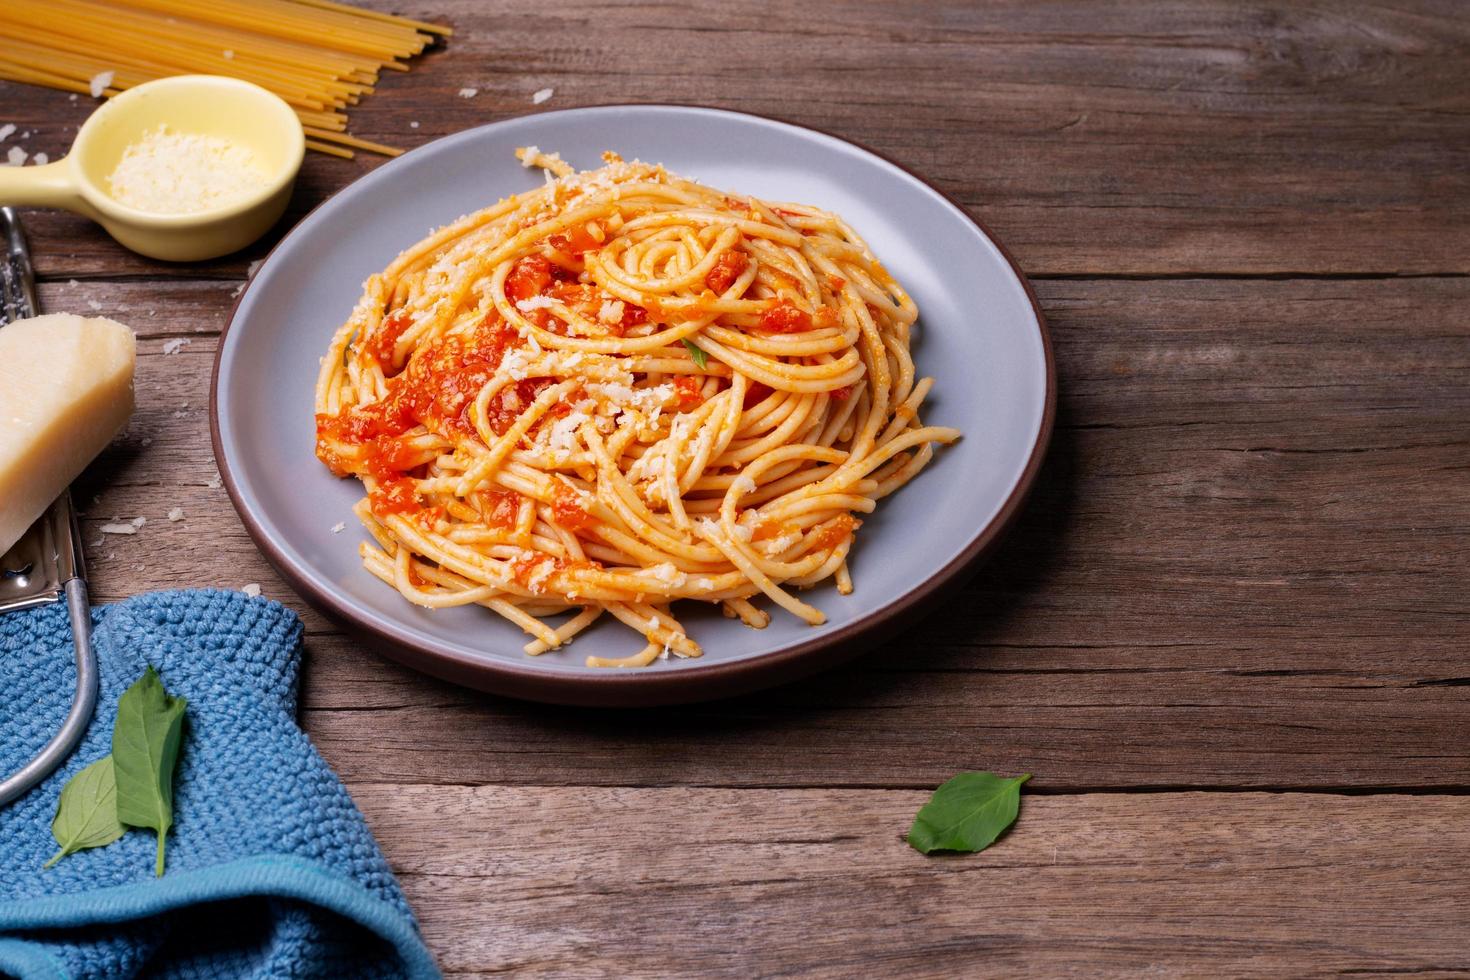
620,390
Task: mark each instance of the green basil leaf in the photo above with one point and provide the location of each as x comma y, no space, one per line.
86,812
967,813
700,357
145,748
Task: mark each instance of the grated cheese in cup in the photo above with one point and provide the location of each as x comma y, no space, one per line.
168,172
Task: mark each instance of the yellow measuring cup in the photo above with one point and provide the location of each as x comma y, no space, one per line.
207,105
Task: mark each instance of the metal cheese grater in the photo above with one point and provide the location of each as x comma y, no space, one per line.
47,564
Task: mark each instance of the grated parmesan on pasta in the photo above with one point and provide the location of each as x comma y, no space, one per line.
553,446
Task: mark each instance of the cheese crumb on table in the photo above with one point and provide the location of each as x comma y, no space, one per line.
468,93
252,590
15,156
542,95
101,82
177,514
168,172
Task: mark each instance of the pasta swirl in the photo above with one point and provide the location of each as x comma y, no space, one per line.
620,390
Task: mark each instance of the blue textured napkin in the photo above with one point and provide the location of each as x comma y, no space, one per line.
271,870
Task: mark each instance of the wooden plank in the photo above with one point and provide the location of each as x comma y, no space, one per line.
819,883
1167,137
1245,566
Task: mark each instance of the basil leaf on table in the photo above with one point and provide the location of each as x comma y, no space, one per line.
967,813
700,357
145,748
86,813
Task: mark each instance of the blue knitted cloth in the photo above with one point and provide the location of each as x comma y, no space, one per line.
271,871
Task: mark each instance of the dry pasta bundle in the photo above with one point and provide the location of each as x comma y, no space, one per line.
320,56
620,390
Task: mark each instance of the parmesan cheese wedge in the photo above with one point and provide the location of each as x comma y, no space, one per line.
66,388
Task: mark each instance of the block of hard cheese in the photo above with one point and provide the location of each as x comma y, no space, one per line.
66,388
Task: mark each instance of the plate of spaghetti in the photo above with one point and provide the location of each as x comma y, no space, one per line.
668,403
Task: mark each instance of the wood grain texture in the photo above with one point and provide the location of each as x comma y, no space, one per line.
1246,551
1245,566
1160,137
819,883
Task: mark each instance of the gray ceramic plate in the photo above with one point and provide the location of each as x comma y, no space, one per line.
981,337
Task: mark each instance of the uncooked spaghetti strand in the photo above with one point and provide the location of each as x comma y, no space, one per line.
321,57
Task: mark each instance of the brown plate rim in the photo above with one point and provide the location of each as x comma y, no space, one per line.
617,688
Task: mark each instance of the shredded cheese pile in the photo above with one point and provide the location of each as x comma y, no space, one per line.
167,172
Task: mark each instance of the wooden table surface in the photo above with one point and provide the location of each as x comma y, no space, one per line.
1228,636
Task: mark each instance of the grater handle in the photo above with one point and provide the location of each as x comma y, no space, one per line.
83,705
18,300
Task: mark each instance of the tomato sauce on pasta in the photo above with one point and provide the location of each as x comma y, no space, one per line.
619,391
